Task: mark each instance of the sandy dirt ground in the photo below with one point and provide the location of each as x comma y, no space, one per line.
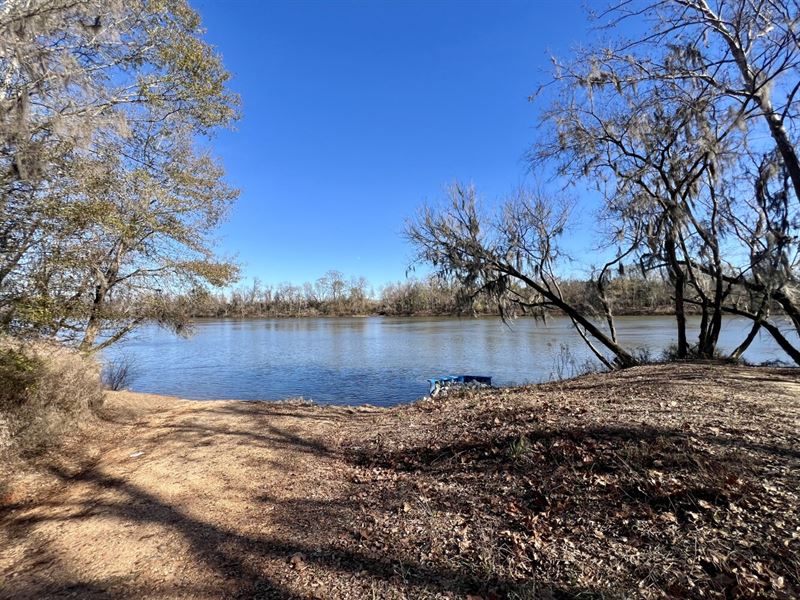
178,499
167,498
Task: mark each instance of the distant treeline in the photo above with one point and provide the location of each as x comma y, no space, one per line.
336,295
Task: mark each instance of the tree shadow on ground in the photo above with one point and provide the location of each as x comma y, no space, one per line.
226,559
657,491
472,508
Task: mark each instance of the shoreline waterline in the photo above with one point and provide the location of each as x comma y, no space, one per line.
377,360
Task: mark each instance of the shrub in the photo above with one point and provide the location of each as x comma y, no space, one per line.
118,373
644,355
45,390
18,374
670,354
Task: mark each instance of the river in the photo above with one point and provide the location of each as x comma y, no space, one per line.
377,360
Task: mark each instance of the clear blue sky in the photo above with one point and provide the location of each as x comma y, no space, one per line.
355,113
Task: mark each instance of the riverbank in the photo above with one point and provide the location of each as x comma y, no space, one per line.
659,311
382,361
657,481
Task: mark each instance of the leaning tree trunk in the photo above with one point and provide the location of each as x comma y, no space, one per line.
751,335
774,330
623,358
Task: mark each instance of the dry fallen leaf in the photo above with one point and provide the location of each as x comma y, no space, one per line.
668,517
297,560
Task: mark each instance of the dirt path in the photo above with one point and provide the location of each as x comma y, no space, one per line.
676,481
189,500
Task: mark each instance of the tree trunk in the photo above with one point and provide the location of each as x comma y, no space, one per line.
623,358
716,317
702,338
759,94
106,281
93,325
679,283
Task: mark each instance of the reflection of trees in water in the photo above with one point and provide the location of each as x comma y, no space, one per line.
376,360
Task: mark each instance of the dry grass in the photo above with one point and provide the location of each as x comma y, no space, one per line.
46,391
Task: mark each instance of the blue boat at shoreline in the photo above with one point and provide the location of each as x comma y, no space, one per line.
439,383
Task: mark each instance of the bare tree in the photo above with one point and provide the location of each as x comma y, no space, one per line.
672,126
511,258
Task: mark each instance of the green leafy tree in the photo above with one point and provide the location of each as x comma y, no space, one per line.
108,199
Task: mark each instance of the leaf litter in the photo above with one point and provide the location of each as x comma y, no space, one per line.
656,482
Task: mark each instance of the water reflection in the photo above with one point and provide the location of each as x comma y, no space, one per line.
377,360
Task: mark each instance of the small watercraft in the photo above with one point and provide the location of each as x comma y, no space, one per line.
437,384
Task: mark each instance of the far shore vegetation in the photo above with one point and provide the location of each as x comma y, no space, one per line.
335,295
